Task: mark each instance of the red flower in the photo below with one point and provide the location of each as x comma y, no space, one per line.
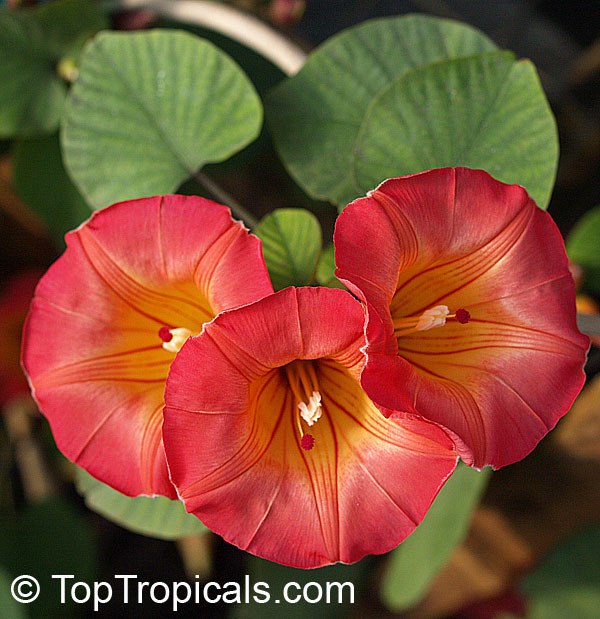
273,444
135,281
470,308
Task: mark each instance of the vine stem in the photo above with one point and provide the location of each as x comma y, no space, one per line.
223,196
230,21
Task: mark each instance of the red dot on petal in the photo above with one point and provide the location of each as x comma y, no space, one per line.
462,316
307,442
164,334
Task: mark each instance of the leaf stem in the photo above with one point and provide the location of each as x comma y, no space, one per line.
223,196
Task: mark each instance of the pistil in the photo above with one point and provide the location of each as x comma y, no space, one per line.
304,384
433,317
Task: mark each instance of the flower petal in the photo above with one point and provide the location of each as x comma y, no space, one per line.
458,237
183,240
235,456
91,346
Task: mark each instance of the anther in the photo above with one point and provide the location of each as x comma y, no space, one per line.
434,317
178,338
303,380
311,413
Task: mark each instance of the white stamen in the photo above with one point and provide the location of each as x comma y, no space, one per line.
180,336
311,413
434,317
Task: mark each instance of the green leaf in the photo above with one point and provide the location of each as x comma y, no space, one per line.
49,537
66,24
583,247
351,578
583,242
292,243
9,608
413,565
567,583
485,111
149,109
43,184
32,43
328,99
153,516
326,267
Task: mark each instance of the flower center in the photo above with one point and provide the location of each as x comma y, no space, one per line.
433,317
304,383
173,339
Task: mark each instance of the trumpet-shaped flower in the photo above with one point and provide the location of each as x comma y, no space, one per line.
272,442
109,316
470,308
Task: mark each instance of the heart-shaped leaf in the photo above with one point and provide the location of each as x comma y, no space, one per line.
326,267
315,116
583,247
32,44
292,243
417,560
149,109
487,112
11,609
153,516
